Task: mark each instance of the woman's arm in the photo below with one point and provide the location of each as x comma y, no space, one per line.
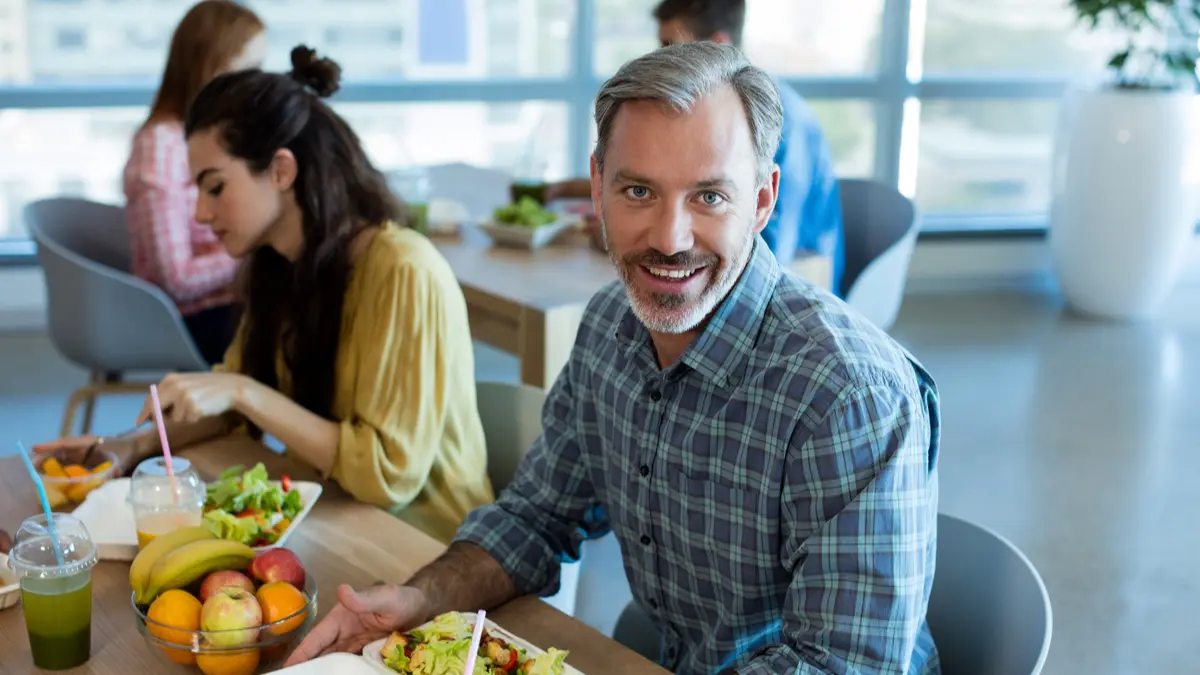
310,437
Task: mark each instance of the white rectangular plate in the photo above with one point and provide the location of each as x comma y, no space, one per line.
109,518
373,651
10,589
341,664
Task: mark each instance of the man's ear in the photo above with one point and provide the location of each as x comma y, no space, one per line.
597,181
768,192
722,38
283,170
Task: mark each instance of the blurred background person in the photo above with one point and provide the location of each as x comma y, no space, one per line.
169,248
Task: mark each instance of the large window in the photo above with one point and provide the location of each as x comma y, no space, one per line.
953,101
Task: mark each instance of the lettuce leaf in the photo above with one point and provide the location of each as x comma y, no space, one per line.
291,506
225,525
550,663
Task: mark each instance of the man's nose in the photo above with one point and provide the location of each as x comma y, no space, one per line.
672,233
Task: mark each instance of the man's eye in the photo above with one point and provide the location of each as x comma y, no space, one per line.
637,191
711,198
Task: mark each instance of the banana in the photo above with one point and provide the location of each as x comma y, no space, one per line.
192,561
139,570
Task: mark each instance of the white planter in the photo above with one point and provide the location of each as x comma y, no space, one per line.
1125,183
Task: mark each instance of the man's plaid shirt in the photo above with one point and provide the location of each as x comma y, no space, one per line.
774,492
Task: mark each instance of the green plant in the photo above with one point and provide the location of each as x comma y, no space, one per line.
1149,59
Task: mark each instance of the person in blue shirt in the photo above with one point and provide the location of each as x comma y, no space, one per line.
808,213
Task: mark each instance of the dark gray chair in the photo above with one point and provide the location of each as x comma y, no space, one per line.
989,611
880,227
100,317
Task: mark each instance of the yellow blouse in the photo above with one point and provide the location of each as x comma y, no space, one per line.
411,439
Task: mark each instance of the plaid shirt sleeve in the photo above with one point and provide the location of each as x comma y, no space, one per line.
551,507
159,213
856,603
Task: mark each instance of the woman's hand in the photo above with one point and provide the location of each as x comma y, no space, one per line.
5,542
361,618
190,397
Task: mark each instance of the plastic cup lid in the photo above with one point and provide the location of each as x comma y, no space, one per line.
33,555
157,466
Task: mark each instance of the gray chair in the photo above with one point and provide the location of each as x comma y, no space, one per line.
880,227
988,610
100,317
512,420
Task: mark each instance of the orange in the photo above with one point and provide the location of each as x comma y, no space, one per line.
75,471
104,466
53,468
179,610
241,662
280,600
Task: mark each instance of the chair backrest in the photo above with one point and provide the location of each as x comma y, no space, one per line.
880,229
989,611
101,317
512,420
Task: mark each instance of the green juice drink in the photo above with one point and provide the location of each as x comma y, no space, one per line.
56,594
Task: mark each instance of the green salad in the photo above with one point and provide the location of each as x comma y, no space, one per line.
245,506
441,648
527,212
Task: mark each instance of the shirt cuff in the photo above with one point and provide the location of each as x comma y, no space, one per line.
516,545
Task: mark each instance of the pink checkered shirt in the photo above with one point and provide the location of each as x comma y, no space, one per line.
169,248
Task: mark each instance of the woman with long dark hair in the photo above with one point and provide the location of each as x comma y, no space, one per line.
354,348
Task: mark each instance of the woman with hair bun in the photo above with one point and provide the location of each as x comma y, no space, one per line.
354,348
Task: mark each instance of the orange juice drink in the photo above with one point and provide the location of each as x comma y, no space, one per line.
162,503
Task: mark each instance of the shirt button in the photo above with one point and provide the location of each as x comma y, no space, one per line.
656,396
653,603
645,470
645,540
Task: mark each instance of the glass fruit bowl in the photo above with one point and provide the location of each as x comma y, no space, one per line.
70,474
239,651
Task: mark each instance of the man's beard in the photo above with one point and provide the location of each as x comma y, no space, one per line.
675,313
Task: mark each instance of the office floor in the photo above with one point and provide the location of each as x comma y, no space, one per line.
1078,441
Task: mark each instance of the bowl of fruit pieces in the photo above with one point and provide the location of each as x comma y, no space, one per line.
70,474
526,224
218,605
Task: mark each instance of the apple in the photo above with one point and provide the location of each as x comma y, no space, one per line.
278,564
234,615
218,580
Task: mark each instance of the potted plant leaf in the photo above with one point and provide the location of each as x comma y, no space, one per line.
1126,166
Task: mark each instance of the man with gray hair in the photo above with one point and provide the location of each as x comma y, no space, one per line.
766,457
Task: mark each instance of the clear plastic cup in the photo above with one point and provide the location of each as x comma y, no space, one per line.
57,598
159,510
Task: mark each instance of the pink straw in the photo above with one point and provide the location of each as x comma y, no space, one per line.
162,437
475,638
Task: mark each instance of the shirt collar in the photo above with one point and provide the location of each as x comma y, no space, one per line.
722,347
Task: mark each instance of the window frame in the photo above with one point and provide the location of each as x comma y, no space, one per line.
892,91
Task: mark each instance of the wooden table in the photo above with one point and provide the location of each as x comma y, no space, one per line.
530,303
341,541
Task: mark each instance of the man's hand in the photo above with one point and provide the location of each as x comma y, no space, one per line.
190,397
361,618
5,542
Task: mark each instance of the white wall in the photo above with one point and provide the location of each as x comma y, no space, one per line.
937,267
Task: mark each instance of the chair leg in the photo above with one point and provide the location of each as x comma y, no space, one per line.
89,408
78,397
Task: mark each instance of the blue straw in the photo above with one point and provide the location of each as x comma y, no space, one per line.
41,490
